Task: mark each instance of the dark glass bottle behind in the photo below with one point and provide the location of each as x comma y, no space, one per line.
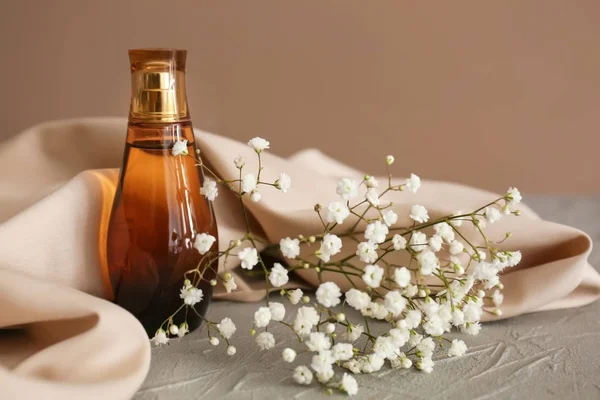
158,209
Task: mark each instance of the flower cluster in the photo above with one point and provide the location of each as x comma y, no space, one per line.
418,281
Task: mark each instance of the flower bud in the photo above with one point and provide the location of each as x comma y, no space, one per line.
497,312
214,341
306,266
312,239
341,317
187,283
231,350
252,332
174,329
389,160
213,282
238,243
306,299
330,328
317,207
480,293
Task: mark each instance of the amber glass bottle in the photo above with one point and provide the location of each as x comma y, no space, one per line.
158,208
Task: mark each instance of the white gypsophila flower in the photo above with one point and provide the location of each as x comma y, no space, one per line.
394,302
295,296
513,258
278,276
322,362
191,295
402,277
180,148
411,290
384,347
265,340
284,183
302,326
418,241
230,284
214,341
288,355
262,317
353,332
434,326
497,298
457,348
401,362
430,307
209,189
513,196
342,351
255,196
337,212
456,247
425,365
373,275
248,257
290,248
367,252
328,294
375,362
204,242
357,299
372,196
413,319
399,337
390,217
413,183
239,162
160,338
492,214
347,189
375,310
231,350
324,376
458,317
472,311
371,182
376,232
444,230
399,242
226,327
349,384
487,273
277,311
389,160
330,246
415,339
318,341
419,213
259,144
249,183
303,375
471,328
428,262
435,243
310,314
426,347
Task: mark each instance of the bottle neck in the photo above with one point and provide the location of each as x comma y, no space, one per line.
158,95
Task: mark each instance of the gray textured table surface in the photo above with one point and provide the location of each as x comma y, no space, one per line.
548,355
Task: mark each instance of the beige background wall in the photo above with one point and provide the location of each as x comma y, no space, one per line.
481,92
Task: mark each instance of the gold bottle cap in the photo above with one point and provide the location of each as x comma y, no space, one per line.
158,85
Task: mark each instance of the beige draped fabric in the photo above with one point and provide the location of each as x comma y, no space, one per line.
56,185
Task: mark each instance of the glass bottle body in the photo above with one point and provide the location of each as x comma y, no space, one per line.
157,212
